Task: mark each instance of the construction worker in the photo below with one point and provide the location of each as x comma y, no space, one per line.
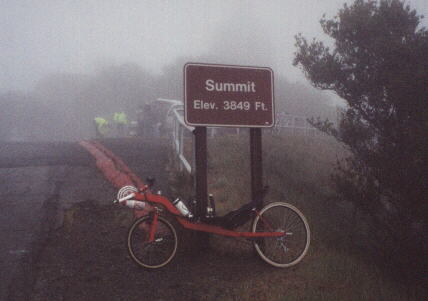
121,121
101,127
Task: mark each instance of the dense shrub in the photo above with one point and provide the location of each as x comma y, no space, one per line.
379,66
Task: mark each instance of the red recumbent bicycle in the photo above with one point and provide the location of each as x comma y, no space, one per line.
279,232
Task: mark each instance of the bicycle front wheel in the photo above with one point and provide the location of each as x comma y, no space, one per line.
289,249
154,254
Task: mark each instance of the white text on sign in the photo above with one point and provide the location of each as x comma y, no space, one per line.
248,87
230,105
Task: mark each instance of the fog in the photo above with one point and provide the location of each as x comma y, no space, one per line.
45,36
59,51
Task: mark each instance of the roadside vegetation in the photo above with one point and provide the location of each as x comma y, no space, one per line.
379,65
298,170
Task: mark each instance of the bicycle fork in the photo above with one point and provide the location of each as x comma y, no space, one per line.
153,227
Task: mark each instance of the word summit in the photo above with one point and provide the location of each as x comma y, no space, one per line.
211,85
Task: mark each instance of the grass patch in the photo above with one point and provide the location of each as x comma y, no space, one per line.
298,171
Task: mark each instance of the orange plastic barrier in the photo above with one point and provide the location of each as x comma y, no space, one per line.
119,164
107,166
113,168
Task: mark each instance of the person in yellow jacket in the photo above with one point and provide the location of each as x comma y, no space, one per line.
121,121
101,127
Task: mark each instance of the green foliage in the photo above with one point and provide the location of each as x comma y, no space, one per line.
379,65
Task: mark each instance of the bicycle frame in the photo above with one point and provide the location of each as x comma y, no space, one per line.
147,196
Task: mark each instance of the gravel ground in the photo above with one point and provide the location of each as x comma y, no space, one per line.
88,260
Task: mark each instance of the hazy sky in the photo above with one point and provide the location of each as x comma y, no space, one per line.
38,37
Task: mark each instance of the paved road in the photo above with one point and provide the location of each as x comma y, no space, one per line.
24,154
22,194
143,158
30,174
34,174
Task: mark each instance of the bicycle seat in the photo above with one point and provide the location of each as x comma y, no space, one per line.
234,218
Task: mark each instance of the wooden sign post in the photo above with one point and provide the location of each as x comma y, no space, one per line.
228,96
201,175
256,164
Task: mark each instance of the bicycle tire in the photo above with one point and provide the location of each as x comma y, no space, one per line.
162,249
289,249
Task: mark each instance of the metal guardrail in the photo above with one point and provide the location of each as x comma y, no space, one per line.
298,125
283,122
179,128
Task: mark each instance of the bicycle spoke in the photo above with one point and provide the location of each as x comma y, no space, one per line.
286,218
293,224
156,253
288,249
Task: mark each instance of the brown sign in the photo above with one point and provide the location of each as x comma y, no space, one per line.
224,95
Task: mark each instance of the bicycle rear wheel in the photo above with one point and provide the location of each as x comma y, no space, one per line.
153,254
287,250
